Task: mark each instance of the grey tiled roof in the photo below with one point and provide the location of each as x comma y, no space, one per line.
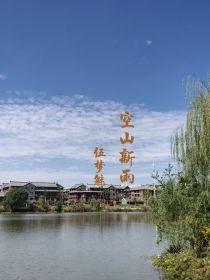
37,184
17,184
94,186
5,185
121,187
143,187
78,185
46,184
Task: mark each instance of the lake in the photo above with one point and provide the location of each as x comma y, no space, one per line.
77,246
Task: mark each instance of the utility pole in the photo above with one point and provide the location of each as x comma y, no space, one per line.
154,174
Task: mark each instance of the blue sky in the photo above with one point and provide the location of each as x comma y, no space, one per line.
65,65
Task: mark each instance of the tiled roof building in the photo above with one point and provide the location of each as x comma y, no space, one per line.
49,191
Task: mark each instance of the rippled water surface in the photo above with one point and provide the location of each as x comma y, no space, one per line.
89,246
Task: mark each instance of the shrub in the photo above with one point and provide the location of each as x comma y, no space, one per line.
59,207
183,266
41,205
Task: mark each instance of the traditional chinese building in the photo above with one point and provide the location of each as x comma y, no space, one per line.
51,192
80,193
83,193
141,193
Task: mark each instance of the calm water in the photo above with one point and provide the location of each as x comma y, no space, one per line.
96,246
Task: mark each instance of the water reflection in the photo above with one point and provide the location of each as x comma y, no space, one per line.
86,246
36,222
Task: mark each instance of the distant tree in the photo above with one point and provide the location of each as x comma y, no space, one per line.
59,207
105,195
41,205
95,203
117,196
40,202
15,199
146,197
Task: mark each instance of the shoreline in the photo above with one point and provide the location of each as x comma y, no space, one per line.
69,209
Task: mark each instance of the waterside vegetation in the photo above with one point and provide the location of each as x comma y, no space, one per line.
41,206
181,210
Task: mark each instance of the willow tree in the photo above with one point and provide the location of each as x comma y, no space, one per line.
191,144
182,208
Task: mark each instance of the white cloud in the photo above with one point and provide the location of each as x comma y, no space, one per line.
148,42
3,77
65,177
70,128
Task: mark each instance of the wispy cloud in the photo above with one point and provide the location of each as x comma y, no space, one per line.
70,128
65,177
149,42
3,77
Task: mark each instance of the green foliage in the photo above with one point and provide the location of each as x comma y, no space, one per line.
191,146
60,197
41,205
169,209
2,210
184,265
181,209
59,207
15,199
95,204
148,198
81,208
179,214
105,195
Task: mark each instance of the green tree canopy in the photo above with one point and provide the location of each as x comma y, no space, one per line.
15,199
191,144
182,208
